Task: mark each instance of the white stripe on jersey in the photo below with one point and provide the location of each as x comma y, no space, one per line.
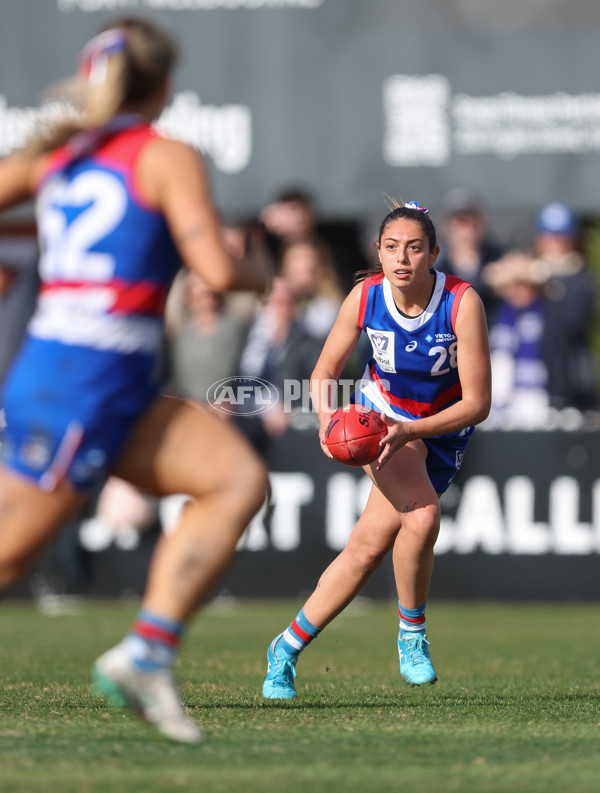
81,318
374,395
412,323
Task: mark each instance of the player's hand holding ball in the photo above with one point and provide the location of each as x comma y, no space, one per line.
354,434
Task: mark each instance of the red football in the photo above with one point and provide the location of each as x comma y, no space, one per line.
354,434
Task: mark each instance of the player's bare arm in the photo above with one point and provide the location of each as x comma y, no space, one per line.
475,378
174,180
18,177
341,341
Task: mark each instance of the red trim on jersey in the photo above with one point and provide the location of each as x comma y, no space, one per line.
121,151
118,151
422,409
306,637
372,280
144,297
56,161
458,287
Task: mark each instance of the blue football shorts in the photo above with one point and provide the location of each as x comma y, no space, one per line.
444,452
54,443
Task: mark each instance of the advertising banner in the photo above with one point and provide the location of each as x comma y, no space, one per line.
521,522
351,99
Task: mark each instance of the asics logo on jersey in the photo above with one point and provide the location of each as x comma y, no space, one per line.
412,345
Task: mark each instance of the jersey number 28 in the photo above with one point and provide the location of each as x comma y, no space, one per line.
443,355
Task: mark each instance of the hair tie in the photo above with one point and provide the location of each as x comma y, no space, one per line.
415,205
94,55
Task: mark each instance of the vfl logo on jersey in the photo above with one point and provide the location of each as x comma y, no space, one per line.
382,342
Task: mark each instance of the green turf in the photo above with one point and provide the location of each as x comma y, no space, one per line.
516,707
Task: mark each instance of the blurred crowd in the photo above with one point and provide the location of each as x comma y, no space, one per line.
540,300
277,339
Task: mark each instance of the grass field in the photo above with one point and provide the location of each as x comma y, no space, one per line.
517,706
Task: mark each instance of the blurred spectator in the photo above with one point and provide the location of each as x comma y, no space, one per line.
520,397
466,246
278,349
18,289
293,215
307,267
205,337
557,271
247,241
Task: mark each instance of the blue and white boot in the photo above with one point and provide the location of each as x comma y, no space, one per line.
281,673
415,663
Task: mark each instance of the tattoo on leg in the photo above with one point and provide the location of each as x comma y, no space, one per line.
191,564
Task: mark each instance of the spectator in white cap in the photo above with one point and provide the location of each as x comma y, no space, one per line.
556,267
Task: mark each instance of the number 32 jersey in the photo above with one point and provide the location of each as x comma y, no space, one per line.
107,262
413,369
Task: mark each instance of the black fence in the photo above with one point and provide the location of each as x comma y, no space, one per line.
521,522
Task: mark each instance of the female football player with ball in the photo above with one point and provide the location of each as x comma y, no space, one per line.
429,378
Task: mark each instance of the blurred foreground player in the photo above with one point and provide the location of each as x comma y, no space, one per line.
118,207
429,378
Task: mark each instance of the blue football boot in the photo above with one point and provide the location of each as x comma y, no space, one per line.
415,663
281,672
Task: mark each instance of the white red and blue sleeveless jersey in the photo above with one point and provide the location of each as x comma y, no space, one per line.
413,370
89,365
107,262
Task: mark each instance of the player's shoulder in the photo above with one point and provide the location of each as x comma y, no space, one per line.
167,161
454,284
372,279
169,147
363,286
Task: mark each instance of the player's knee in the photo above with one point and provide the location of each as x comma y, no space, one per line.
245,483
424,525
256,485
366,558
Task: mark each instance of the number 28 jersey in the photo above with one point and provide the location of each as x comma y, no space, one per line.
413,369
107,262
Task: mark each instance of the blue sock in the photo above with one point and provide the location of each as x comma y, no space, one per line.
153,641
297,636
412,620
